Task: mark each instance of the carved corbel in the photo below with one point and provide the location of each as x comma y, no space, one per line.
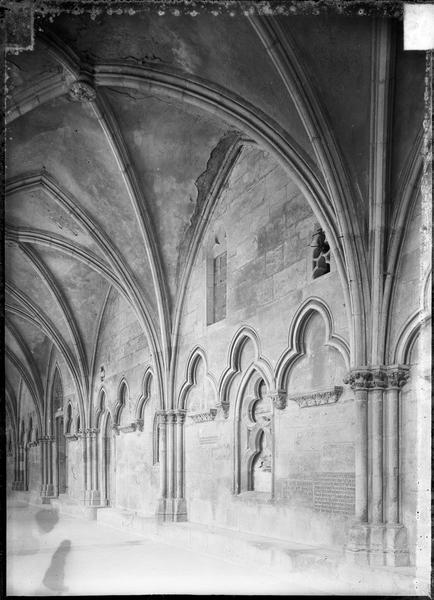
278,398
224,406
139,424
318,398
209,415
127,428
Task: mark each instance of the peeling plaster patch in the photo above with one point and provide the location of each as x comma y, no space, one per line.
185,59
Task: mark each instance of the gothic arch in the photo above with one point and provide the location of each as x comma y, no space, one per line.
147,381
297,328
196,355
122,398
260,363
68,419
101,406
412,327
245,452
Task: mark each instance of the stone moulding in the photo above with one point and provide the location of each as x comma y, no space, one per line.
203,416
72,437
125,428
318,398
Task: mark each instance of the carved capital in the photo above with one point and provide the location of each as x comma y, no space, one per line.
379,377
139,424
162,417
278,398
359,379
398,376
72,437
170,417
180,416
91,432
80,91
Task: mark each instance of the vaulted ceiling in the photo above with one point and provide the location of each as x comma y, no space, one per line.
119,128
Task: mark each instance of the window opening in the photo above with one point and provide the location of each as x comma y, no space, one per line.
320,254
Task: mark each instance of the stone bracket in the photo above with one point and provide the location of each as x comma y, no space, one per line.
203,416
317,398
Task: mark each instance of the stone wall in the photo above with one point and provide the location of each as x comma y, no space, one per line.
269,227
124,355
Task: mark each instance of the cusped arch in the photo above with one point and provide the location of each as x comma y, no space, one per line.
122,398
297,328
261,364
196,355
145,396
412,327
101,407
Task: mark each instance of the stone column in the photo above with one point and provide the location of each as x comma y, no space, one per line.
25,467
55,466
170,435
180,512
19,482
396,550
360,381
161,508
376,444
47,487
94,493
279,401
42,461
88,463
16,467
358,536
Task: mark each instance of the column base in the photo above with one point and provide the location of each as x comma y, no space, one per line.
356,550
180,510
161,512
377,545
93,498
396,546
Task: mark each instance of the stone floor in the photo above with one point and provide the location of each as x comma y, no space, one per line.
50,553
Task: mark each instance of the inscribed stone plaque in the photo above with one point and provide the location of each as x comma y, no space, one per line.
334,492
208,440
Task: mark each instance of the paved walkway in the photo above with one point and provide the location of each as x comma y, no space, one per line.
53,554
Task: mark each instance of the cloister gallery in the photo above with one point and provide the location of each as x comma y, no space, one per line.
217,283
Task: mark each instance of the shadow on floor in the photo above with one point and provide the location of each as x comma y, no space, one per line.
53,583
47,519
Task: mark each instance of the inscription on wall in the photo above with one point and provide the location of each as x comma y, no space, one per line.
328,492
334,492
208,440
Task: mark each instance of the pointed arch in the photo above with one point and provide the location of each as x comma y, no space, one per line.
196,356
68,420
28,380
122,398
261,364
297,328
145,396
101,407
